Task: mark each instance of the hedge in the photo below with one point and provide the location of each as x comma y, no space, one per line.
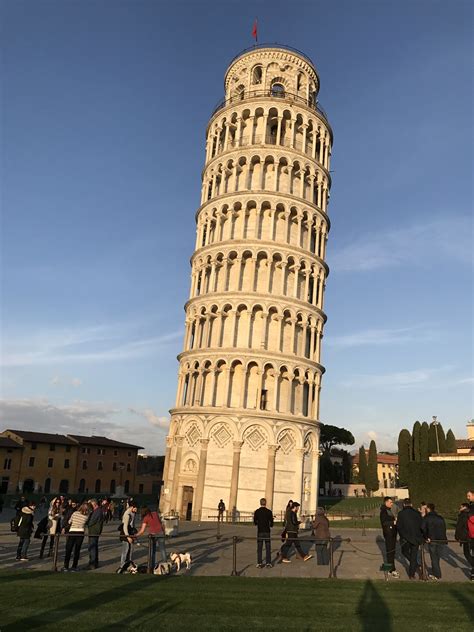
443,483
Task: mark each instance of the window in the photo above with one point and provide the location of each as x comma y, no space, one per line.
101,451
86,450
100,466
9,451
112,486
31,461
97,486
129,453
114,467
257,74
82,485
66,464
50,462
7,465
115,452
64,486
140,488
84,465
33,446
263,399
129,469
47,486
68,448
278,90
52,447
126,487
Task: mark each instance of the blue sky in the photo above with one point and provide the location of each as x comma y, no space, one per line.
100,103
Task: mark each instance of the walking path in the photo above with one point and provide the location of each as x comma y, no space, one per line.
358,559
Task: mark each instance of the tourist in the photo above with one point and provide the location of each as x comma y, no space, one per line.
151,520
286,519
71,507
25,529
220,511
389,530
263,520
292,527
434,531
127,533
54,521
322,535
423,509
94,529
470,528
22,502
409,523
75,536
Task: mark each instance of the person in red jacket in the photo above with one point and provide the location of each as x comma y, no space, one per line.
151,520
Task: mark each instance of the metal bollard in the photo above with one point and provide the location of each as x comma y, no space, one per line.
234,556
150,548
56,552
331,560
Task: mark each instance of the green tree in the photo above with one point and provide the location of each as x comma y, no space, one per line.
372,478
424,442
326,470
404,455
433,440
451,442
332,435
416,441
362,465
441,439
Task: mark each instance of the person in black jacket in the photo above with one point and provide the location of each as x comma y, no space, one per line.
462,535
409,523
434,531
25,529
263,520
292,526
389,530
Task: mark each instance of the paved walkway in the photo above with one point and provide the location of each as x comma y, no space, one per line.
358,559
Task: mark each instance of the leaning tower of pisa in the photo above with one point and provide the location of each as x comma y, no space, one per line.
245,423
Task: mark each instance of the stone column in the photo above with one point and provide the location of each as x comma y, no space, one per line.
314,479
198,497
178,440
299,475
234,482
270,481
278,136
238,132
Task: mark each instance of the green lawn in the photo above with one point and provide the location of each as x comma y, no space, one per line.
49,601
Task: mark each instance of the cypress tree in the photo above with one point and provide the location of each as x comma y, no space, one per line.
432,441
372,478
362,465
451,442
424,442
416,441
441,439
404,455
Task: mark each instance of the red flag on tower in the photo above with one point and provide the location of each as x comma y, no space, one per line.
254,30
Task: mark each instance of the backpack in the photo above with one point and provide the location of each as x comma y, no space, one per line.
470,527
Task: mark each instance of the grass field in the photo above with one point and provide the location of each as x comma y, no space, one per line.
48,601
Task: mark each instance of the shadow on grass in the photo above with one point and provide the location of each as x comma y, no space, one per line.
67,609
466,602
372,611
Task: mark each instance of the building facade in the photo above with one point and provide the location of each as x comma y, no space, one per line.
245,422
387,469
68,464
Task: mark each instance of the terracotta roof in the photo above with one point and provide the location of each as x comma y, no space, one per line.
43,437
6,442
388,459
103,441
464,443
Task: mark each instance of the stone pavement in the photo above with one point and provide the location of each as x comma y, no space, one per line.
358,559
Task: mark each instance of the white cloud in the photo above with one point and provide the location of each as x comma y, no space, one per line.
399,379
418,244
418,333
87,344
152,417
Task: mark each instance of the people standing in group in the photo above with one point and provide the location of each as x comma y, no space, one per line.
389,530
470,528
434,532
263,520
22,502
151,521
75,536
423,509
128,532
409,523
292,525
25,529
220,511
95,523
322,535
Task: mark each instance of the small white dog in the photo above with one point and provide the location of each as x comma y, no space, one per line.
163,568
181,558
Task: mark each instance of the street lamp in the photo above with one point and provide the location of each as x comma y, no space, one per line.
436,424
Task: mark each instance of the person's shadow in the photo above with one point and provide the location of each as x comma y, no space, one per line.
372,611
